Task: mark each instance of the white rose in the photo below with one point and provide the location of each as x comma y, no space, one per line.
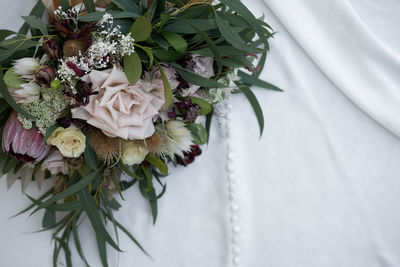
132,153
70,141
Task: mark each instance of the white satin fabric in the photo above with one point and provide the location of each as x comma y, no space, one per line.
321,188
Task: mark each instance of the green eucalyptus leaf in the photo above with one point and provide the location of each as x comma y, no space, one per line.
89,5
95,16
127,5
49,218
11,79
133,67
233,37
176,41
93,214
167,55
253,80
90,156
82,183
36,23
184,28
167,87
196,79
10,101
141,29
255,105
157,162
77,241
5,33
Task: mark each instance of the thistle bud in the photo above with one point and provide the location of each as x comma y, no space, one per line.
72,48
45,76
51,47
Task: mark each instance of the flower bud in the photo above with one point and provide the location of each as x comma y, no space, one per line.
55,84
73,47
45,76
51,47
132,153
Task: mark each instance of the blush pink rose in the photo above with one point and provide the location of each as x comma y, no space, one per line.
120,109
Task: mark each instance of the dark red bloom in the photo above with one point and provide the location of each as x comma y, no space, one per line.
45,75
51,47
190,156
75,68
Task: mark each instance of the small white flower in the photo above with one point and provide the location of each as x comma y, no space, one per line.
26,67
28,93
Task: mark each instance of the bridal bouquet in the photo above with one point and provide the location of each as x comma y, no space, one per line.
103,98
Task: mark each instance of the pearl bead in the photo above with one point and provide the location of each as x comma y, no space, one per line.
234,207
231,177
236,260
232,196
236,249
230,156
229,125
235,239
236,229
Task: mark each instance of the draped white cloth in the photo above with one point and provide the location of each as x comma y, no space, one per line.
321,188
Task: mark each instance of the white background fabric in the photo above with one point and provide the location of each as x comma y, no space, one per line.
321,188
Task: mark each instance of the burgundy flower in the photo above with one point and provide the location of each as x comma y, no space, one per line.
172,113
22,144
192,113
75,68
51,47
45,76
189,156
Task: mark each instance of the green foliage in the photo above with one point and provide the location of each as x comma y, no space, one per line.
11,79
141,29
133,67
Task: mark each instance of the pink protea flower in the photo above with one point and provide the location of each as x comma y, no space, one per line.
22,144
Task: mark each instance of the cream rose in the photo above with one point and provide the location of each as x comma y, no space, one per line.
121,109
132,153
70,141
55,163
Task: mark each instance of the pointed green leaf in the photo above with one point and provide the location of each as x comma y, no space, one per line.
49,218
10,100
167,87
141,29
253,80
83,182
176,41
89,5
256,107
196,79
12,79
133,67
155,161
36,23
